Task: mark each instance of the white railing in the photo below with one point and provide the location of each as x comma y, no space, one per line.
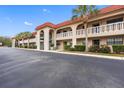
109,29
103,30
32,40
64,35
80,33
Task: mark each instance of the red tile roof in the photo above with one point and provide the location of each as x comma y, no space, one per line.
111,8
47,24
102,11
34,33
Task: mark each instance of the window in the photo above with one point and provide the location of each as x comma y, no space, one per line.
115,40
115,20
95,28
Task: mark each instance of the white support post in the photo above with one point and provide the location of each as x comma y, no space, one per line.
13,43
86,38
38,40
74,41
54,38
46,39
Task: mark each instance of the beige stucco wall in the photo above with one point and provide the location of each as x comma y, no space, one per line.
103,41
101,19
80,41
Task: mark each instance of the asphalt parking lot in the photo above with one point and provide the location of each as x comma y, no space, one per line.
32,69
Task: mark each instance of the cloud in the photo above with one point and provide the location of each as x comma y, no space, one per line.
46,10
8,19
28,23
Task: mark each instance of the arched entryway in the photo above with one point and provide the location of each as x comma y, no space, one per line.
41,39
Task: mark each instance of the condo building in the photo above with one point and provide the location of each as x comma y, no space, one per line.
104,28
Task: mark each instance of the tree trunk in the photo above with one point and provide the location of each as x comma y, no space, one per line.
86,38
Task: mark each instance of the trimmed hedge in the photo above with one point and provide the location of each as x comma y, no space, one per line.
79,48
118,48
94,49
67,47
76,48
104,49
33,47
101,49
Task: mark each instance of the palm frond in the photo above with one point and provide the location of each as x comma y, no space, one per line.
74,17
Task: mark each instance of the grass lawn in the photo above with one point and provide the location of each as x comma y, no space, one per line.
105,54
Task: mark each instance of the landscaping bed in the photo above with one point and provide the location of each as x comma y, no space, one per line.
97,50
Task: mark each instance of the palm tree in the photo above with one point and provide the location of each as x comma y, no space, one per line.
84,11
22,36
28,35
18,37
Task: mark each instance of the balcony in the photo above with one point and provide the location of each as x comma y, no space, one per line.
106,30
80,33
103,30
32,40
64,35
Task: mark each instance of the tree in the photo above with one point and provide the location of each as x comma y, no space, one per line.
24,35
84,11
28,35
6,41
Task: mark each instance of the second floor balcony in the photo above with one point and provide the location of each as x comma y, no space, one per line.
103,30
106,30
64,35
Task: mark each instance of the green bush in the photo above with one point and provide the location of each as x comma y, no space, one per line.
101,49
30,46
34,47
21,46
79,48
104,49
76,48
67,47
94,49
25,46
118,48
72,49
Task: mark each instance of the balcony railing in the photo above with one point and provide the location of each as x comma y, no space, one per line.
80,33
103,30
32,40
109,29
64,35
26,41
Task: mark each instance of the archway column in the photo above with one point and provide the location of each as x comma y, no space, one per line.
74,41
46,38
13,43
55,38
38,40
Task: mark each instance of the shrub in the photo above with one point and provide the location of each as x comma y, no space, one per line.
34,47
104,49
79,48
30,46
94,49
52,45
118,48
67,47
25,46
101,49
21,46
72,49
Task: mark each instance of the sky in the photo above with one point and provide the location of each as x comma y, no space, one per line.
15,19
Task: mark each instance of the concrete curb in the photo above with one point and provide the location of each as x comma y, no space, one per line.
68,53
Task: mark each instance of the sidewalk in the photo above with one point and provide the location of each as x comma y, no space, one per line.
79,54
